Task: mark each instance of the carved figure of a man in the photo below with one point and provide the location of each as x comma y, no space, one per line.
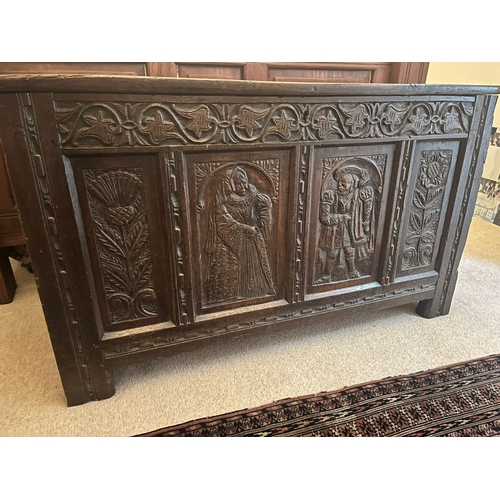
346,222
239,225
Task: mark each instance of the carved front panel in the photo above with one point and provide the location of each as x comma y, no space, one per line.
117,214
117,205
349,193
434,165
132,124
240,207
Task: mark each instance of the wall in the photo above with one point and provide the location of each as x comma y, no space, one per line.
468,73
472,73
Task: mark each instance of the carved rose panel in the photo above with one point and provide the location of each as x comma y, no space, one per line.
111,124
427,205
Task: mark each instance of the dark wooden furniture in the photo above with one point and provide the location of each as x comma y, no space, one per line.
162,214
361,72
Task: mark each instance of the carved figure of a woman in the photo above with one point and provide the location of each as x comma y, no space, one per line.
238,233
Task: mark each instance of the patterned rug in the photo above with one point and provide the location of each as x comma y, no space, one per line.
457,400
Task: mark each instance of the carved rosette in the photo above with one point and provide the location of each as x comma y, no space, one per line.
112,124
426,208
116,201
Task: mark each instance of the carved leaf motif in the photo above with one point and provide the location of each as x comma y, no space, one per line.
157,128
431,217
419,121
433,194
428,237
117,278
100,127
327,125
412,236
247,119
357,117
416,222
200,122
109,239
451,121
141,274
392,116
137,237
284,124
419,199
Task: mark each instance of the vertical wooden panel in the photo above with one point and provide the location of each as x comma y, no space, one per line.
255,71
168,69
409,72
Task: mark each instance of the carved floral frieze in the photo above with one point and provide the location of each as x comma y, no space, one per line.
113,124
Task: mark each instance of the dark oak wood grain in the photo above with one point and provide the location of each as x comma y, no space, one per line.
163,214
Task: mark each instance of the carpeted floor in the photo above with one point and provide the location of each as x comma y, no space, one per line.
461,400
250,373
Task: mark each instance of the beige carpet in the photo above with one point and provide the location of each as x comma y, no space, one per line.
253,372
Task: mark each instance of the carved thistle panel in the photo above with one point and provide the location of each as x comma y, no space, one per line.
117,206
346,218
237,218
427,205
112,124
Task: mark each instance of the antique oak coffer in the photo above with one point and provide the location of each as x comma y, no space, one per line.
162,214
